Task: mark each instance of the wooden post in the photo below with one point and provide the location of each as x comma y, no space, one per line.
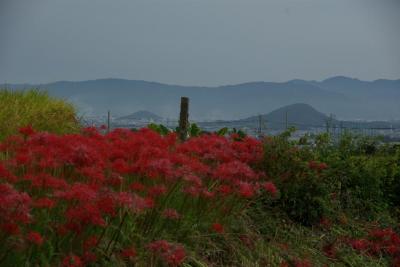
108,121
184,118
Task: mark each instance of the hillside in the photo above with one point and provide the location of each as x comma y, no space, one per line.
141,115
301,115
345,97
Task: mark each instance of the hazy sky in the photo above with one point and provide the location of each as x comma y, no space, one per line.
198,42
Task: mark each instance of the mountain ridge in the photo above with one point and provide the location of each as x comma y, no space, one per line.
347,98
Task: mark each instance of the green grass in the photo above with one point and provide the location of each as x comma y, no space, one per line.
35,108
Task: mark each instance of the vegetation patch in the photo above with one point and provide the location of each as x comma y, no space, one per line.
37,109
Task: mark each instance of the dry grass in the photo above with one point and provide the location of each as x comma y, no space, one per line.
35,108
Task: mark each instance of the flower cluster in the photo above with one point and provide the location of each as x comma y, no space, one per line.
84,189
379,242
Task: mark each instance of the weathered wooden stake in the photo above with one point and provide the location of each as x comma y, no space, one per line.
108,121
184,118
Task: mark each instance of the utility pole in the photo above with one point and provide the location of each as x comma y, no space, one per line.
184,118
286,119
341,128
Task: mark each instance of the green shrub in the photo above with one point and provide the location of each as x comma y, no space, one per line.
35,108
304,190
361,176
364,175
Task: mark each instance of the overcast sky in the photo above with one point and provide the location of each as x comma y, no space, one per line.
198,42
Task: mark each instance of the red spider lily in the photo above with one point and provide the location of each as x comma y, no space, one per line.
246,240
359,244
27,130
193,191
136,186
271,188
84,215
15,206
379,242
78,192
128,252
87,182
89,257
90,242
246,190
10,228
330,250
318,166
325,223
171,214
234,170
44,203
205,193
217,227
159,246
172,254
7,175
176,256
157,190
302,263
72,261
224,190
35,238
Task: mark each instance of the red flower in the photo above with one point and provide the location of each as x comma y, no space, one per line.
314,165
136,186
35,238
90,242
128,252
176,256
44,203
173,254
271,188
325,222
72,261
330,250
217,227
171,214
246,190
89,257
224,190
10,228
27,130
359,244
302,263
159,246
157,190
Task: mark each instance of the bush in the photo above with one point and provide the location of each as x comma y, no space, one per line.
304,191
35,108
320,176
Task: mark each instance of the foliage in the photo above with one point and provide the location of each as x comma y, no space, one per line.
300,177
159,128
319,176
35,108
143,198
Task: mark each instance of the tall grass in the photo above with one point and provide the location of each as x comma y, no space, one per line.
35,108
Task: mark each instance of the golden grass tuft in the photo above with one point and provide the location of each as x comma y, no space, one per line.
35,108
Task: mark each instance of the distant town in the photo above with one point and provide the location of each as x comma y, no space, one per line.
303,117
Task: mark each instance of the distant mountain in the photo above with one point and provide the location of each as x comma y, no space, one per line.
141,115
345,97
299,115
